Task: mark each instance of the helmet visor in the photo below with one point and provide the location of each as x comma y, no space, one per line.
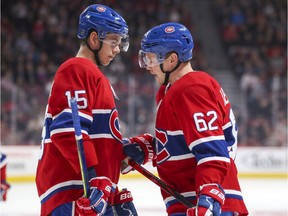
115,40
148,59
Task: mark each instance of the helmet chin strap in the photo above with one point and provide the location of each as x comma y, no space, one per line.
167,73
96,55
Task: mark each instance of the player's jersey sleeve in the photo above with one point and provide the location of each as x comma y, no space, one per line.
78,84
201,118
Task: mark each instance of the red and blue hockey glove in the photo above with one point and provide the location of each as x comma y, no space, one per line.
139,148
96,204
210,199
123,204
4,187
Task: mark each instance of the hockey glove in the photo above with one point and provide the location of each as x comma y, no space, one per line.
210,199
123,204
4,187
139,148
100,189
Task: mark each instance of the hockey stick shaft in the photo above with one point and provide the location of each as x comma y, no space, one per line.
80,148
160,183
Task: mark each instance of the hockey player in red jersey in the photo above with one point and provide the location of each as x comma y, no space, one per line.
103,33
196,132
4,186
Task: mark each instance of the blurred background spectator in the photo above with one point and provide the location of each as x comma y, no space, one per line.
38,35
254,34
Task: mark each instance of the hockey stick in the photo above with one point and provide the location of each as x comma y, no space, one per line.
80,148
160,183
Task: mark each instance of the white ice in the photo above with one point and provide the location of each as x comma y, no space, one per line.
263,197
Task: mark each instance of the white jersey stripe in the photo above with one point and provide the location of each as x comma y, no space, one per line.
65,130
90,118
185,194
175,133
229,124
181,157
95,136
224,159
69,111
206,139
57,186
101,111
235,192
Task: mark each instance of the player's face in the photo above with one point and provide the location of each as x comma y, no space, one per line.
110,48
153,66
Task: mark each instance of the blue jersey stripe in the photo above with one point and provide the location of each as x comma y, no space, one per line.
210,149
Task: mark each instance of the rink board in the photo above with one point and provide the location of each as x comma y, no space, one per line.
252,162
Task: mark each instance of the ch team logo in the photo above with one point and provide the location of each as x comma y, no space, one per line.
114,125
101,9
169,29
162,140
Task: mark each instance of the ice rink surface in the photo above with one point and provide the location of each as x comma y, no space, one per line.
263,197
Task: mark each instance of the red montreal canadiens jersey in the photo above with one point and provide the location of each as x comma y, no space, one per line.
58,176
197,140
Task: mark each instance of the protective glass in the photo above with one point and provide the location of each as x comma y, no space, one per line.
115,40
148,59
